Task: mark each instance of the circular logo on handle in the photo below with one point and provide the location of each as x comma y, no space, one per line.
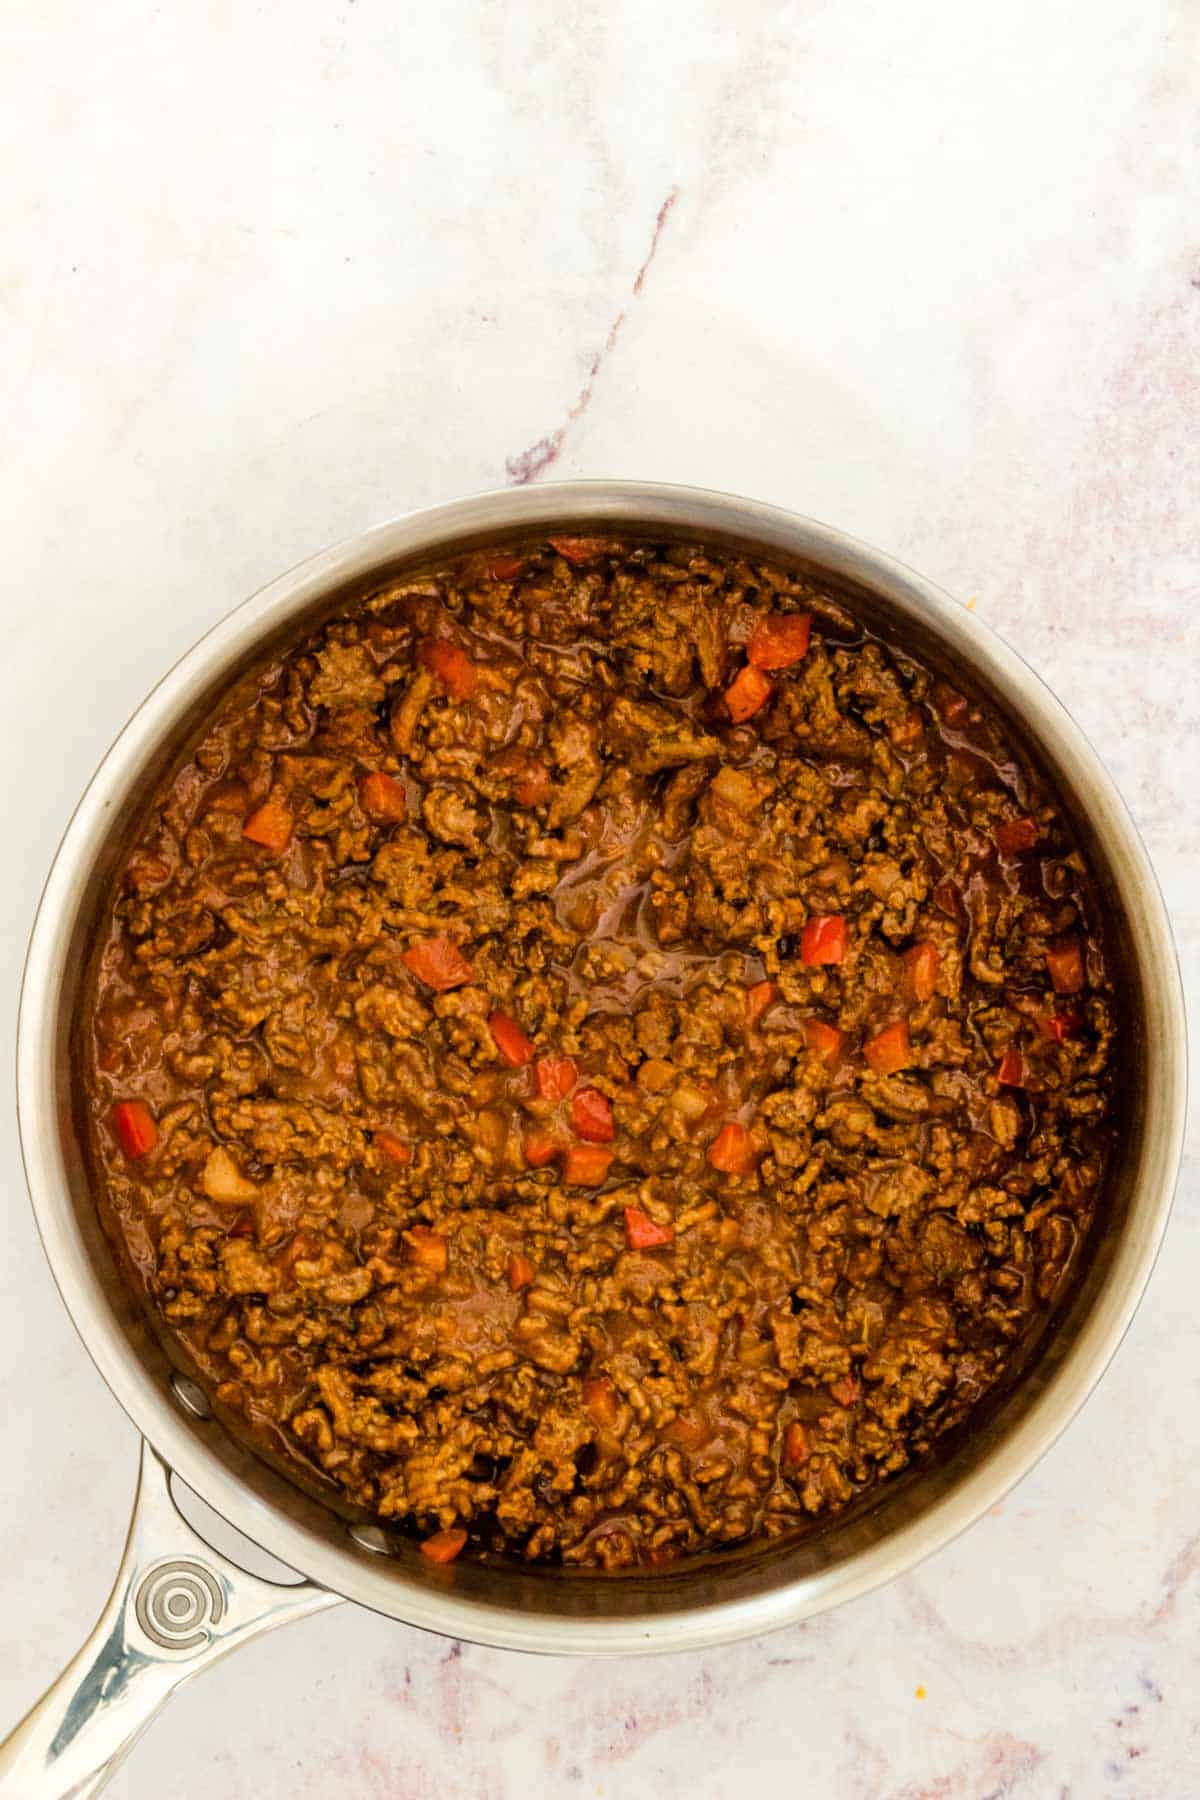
178,1603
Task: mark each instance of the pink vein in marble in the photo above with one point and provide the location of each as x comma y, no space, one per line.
529,464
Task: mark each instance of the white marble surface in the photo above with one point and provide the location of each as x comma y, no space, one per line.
930,271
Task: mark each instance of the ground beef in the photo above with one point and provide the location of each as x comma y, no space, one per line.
600,1055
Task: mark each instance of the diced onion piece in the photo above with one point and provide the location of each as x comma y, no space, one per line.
689,1101
223,1181
655,1075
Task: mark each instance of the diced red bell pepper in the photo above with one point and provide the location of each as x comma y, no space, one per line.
439,963
732,1150
270,825
964,771
134,1125
301,1247
795,1445
906,733
510,1040
747,692
520,1271
502,565
846,1390
554,1077
534,786
444,1546
758,998
688,1429
529,776
1064,960
428,1248
599,1396
591,1116
642,1233
1059,1025
824,1040
779,640
451,664
227,797
394,1148
823,939
580,550
1011,1072
950,704
540,1148
947,897
889,1050
586,1165
921,970
382,797
1016,835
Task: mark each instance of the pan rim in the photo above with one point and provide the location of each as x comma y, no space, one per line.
346,1571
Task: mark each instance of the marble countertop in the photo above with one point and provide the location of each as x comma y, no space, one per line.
931,272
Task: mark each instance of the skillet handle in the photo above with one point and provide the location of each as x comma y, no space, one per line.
176,1607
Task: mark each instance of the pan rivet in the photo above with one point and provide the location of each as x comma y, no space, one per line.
369,1537
191,1397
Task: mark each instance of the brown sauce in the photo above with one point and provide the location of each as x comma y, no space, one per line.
592,1072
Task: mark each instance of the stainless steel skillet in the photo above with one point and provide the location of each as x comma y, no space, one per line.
178,1604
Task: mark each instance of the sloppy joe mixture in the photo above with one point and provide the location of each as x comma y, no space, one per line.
598,1057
